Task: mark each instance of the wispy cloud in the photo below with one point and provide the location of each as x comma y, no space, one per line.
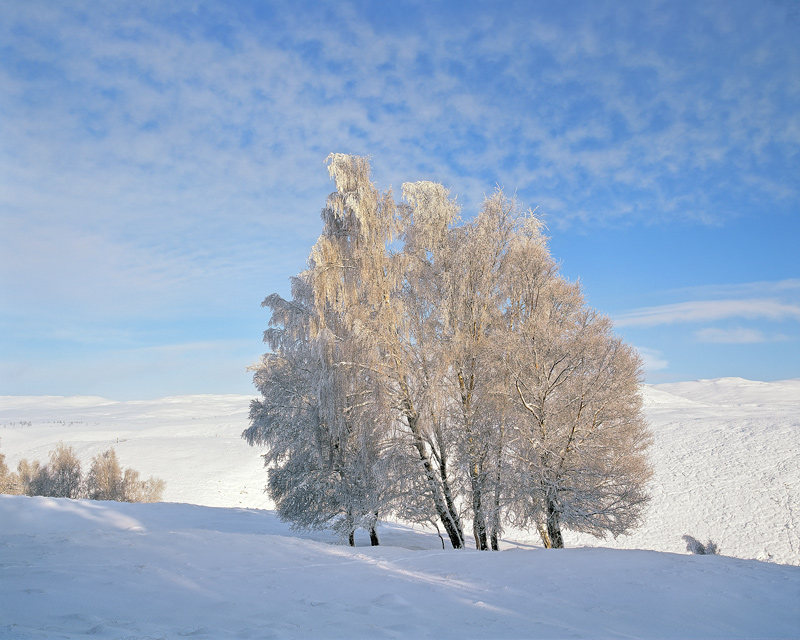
161,160
789,287
540,101
708,311
737,335
653,359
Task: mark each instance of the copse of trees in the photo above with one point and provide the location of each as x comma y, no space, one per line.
62,477
444,371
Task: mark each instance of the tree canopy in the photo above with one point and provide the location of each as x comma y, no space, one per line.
444,371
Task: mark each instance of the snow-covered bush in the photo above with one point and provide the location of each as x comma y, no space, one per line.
61,477
698,548
108,481
64,476
104,481
9,481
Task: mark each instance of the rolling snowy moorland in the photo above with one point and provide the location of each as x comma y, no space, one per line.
726,455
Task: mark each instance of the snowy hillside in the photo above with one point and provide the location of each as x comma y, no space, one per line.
192,442
109,570
727,468
726,456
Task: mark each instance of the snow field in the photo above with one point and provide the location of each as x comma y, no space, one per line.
726,455
192,442
113,570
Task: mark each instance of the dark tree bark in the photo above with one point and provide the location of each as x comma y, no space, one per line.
442,497
554,527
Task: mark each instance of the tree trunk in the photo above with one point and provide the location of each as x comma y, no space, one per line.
442,497
478,522
495,542
494,518
498,478
373,536
453,521
478,518
351,538
554,526
544,536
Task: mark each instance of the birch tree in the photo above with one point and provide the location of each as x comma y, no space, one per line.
458,378
413,360
579,445
62,477
317,413
307,461
104,480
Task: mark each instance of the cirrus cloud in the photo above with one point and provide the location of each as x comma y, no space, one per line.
738,335
708,311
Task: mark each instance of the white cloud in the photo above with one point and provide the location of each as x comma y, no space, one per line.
709,310
735,336
771,288
202,94
653,359
148,169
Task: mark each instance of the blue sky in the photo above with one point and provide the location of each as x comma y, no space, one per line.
162,169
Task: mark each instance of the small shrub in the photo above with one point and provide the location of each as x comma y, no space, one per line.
62,478
30,477
104,481
107,481
136,490
63,473
9,481
698,548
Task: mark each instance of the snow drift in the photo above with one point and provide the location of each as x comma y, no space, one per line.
115,570
726,455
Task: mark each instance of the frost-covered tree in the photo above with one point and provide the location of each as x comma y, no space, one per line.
579,437
415,362
136,490
321,364
286,418
351,281
473,303
312,462
9,481
104,480
450,377
30,477
62,476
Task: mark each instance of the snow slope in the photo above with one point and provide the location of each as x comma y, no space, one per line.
192,442
726,455
109,570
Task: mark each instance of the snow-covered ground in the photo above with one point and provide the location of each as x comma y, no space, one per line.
727,467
